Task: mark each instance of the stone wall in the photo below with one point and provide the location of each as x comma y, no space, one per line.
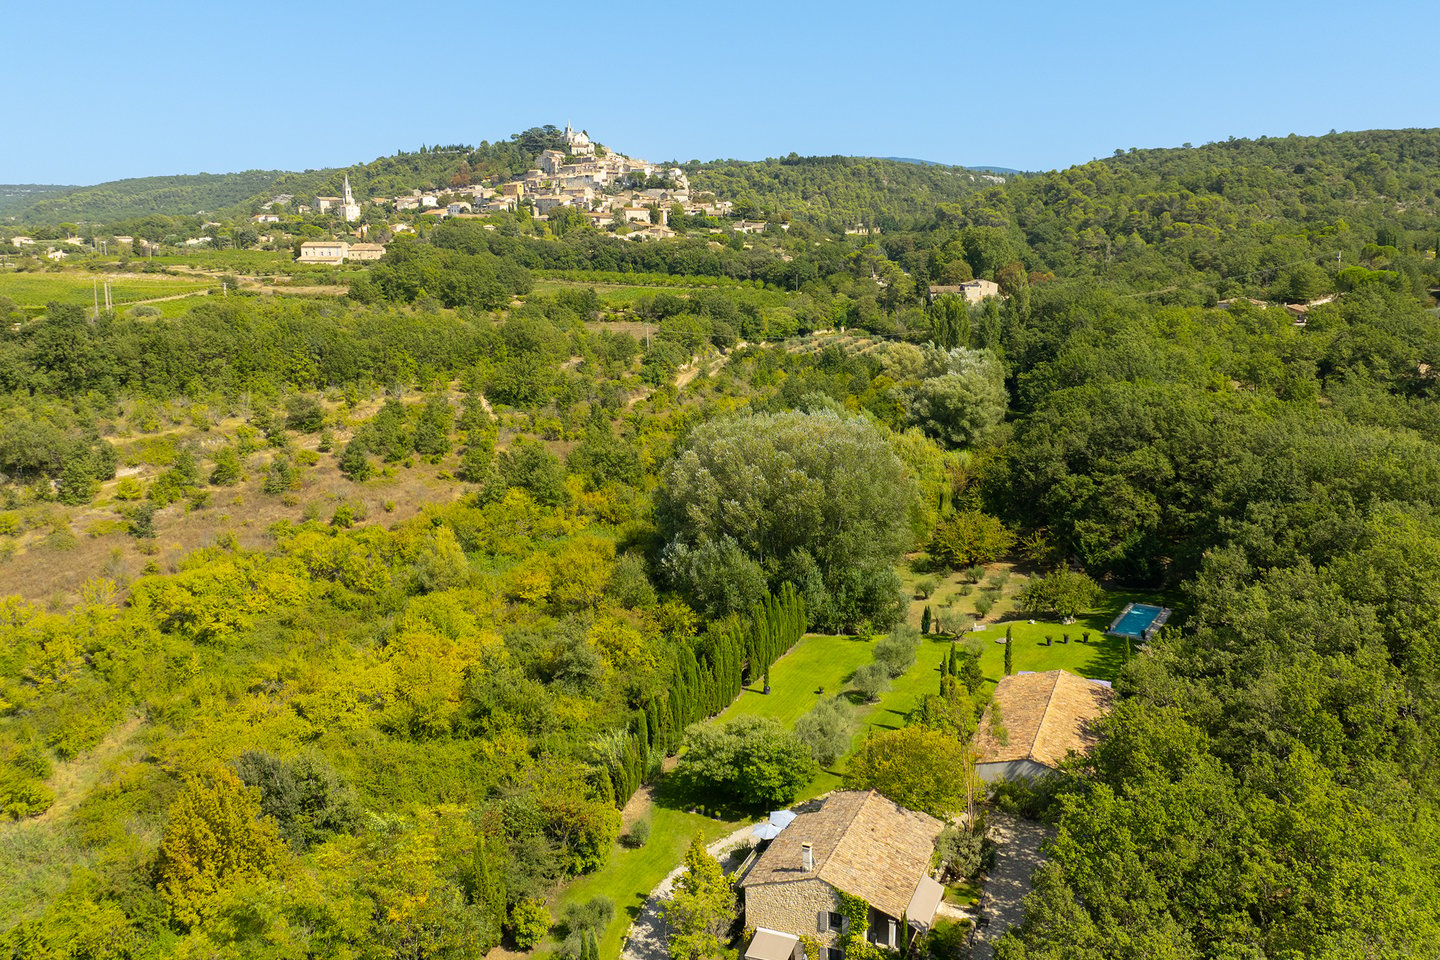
792,907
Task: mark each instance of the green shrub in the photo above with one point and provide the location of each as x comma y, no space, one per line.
529,922
639,834
304,414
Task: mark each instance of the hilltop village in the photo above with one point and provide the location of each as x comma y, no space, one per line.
584,182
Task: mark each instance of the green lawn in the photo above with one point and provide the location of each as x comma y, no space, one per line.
1099,659
964,893
815,663
629,875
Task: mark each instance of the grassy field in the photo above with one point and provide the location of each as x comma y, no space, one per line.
1100,659
630,874
172,308
38,289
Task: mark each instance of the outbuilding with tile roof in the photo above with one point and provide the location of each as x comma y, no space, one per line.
1035,720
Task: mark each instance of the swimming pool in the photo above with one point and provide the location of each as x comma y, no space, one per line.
1138,620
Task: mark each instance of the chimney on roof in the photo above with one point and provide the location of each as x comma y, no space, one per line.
807,857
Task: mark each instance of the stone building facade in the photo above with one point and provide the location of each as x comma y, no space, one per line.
799,906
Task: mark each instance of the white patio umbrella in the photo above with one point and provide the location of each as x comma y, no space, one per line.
770,829
767,830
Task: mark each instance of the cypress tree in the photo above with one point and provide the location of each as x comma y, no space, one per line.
925,620
489,883
1009,657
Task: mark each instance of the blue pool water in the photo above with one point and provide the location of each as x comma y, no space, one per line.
1135,620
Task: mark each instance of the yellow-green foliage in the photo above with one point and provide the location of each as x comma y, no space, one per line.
466,650
214,839
23,770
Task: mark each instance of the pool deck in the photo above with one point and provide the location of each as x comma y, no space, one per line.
1148,631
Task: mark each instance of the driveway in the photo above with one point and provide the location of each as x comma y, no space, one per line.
1016,857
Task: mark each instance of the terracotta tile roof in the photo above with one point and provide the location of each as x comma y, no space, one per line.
1046,716
864,845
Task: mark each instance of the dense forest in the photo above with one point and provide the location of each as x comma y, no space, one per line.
15,197
527,518
180,196
842,192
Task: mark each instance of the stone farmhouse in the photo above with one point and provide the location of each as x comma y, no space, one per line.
857,843
973,291
338,251
1042,717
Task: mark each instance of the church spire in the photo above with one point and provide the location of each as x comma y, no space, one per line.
348,198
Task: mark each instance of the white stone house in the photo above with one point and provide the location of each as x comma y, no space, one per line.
323,251
972,291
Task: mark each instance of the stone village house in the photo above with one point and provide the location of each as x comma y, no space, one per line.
857,843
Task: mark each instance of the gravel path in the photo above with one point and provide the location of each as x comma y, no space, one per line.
648,936
1016,858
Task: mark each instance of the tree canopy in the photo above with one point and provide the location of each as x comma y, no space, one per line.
817,499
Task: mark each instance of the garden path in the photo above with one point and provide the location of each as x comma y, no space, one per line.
1016,857
648,937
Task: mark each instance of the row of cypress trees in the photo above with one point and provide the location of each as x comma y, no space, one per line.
707,677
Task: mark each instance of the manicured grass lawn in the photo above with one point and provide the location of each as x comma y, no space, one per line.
629,875
888,713
815,663
1100,659
965,893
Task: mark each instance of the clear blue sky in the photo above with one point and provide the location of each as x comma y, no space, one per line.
104,91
